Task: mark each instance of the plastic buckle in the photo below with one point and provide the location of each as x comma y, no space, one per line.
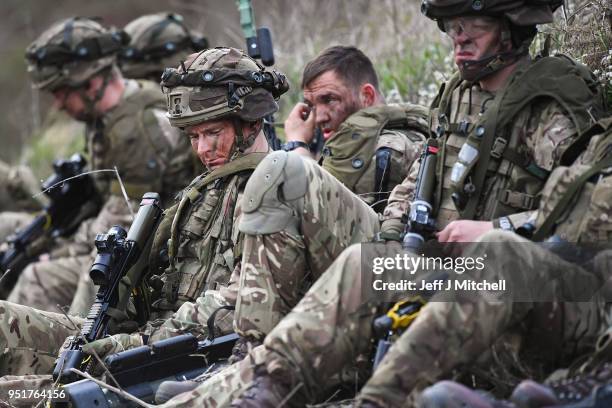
499,145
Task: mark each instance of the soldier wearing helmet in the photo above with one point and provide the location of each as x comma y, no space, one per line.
157,41
126,129
502,123
218,98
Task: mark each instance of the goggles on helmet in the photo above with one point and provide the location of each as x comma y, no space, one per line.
471,26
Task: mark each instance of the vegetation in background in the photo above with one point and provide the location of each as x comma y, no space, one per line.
411,55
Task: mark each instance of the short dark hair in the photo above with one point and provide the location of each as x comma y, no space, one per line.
349,63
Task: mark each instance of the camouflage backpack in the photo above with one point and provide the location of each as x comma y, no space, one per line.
348,154
576,199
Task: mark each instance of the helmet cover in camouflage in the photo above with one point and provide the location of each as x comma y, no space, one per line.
70,52
221,83
157,41
518,12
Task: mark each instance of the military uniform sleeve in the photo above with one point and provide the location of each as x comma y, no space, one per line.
399,200
547,131
192,317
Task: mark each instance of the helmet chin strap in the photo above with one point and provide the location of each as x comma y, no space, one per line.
242,142
90,113
474,71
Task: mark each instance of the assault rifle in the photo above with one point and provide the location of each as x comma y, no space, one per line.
118,270
140,371
72,198
419,221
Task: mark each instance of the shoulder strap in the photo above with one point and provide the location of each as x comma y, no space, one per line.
246,162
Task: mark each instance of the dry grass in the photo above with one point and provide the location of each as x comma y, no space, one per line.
584,31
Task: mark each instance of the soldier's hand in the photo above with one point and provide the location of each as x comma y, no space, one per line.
300,124
113,344
464,231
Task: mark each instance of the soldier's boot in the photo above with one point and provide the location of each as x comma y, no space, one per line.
267,392
449,394
591,389
170,389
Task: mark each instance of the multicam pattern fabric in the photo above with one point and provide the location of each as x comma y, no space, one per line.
304,232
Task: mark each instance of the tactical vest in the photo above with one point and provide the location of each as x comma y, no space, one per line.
367,154
205,243
576,201
486,171
129,137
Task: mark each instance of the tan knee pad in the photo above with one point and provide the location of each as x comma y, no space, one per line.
273,196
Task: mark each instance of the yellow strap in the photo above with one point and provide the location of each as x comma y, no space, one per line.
403,320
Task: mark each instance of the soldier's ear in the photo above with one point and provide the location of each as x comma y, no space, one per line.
367,95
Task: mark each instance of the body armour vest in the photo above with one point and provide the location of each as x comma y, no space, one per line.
374,148
205,243
487,168
136,138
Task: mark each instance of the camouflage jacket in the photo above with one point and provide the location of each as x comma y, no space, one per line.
537,133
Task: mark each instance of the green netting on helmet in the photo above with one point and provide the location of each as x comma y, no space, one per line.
219,83
157,41
70,52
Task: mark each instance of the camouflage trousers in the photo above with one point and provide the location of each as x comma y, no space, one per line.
45,285
222,388
297,219
30,338
331,327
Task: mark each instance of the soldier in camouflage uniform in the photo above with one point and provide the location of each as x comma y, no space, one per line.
526,133
126,128
203,241
157,41
331,327
576,209
295,215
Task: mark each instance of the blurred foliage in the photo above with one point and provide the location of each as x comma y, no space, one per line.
60,137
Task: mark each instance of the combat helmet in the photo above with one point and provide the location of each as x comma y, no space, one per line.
521,17
157,41
72,51
221,83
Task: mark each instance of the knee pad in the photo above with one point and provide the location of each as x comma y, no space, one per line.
272,197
